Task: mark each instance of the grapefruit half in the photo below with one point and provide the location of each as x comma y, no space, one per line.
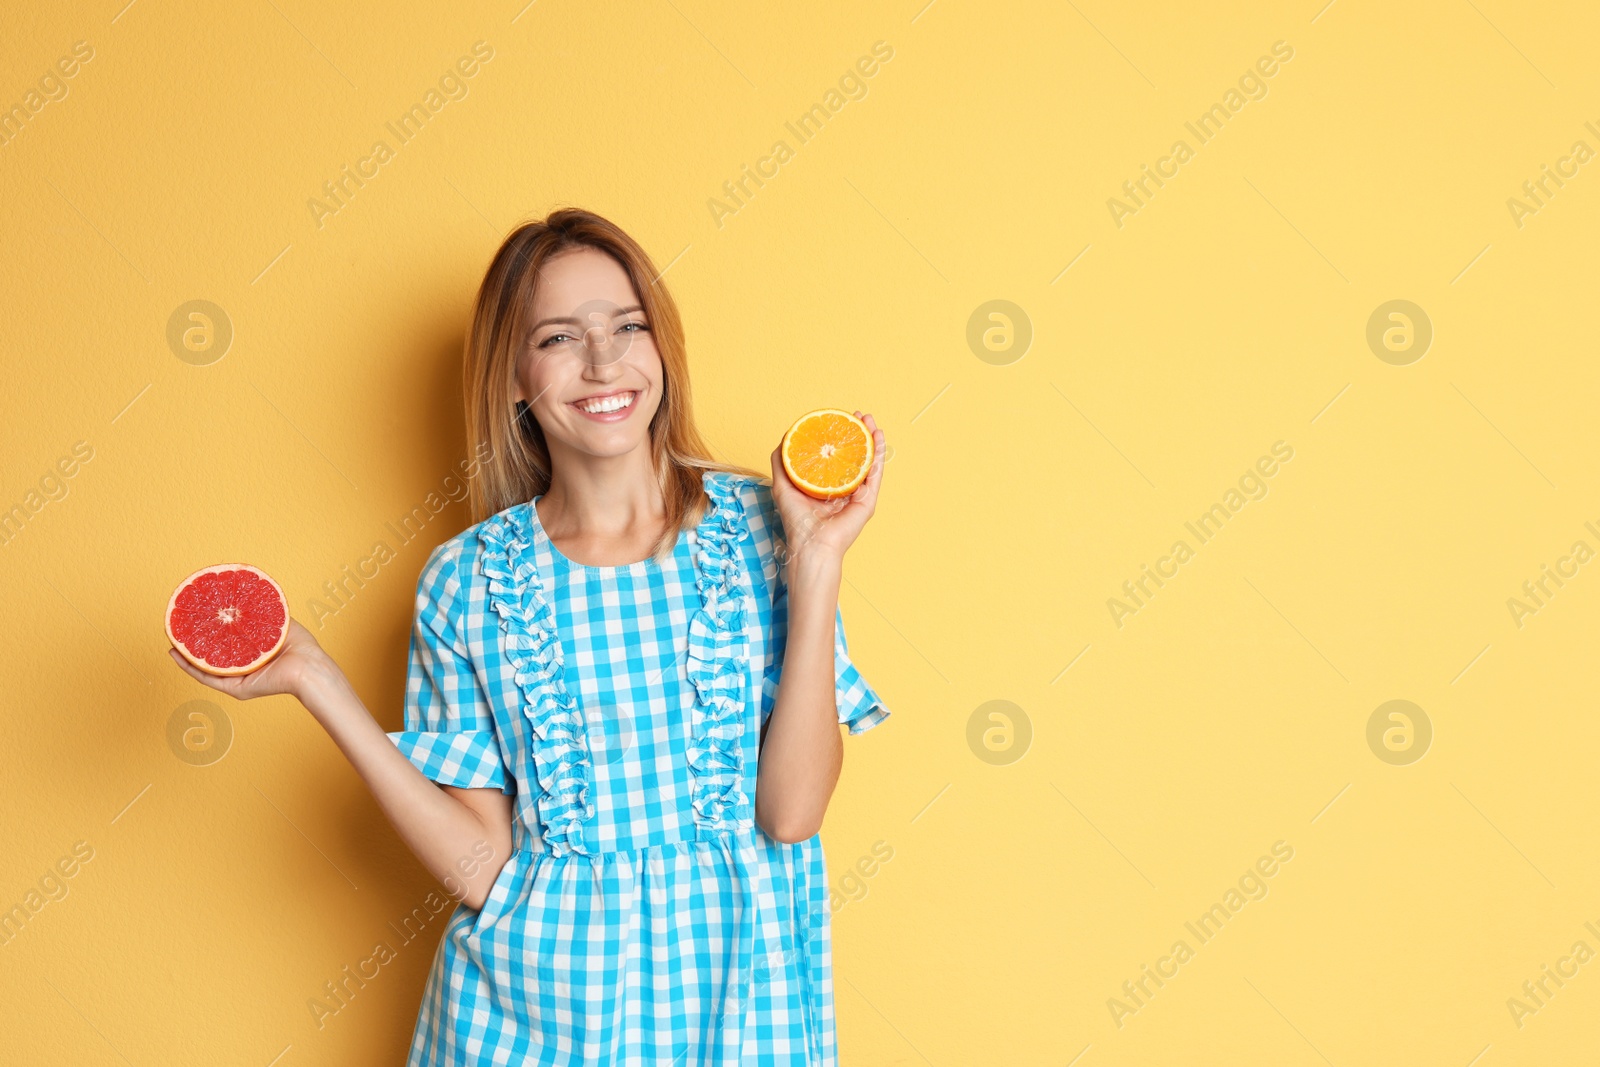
827,453
229,619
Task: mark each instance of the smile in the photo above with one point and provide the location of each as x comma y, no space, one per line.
609,404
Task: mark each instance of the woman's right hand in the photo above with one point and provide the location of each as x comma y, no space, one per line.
442,825
288,672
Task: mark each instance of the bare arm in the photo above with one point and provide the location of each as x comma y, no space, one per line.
802,751
462,836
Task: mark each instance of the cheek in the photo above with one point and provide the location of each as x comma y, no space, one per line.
537,374
647,360
655,374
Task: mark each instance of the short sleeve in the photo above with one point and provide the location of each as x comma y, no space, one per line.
450,734
860,707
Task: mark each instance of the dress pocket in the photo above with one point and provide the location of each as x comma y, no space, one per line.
500,895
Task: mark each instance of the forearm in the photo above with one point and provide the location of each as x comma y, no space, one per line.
458,845
802,753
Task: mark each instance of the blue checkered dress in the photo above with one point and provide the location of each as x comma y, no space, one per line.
643,917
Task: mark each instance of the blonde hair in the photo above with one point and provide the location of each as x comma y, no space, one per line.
518,466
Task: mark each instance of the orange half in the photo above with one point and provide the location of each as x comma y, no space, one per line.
827,453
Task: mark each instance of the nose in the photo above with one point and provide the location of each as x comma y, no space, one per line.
599,345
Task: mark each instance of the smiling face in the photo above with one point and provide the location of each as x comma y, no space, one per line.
589,369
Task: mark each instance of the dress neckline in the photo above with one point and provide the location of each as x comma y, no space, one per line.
716,665
542,538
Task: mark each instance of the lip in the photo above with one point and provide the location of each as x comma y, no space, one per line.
607,416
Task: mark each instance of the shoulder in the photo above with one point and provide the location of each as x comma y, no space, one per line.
453,567
453,588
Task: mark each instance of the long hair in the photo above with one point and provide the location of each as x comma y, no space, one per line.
518,466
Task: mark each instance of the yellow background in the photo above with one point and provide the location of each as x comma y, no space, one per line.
1227,314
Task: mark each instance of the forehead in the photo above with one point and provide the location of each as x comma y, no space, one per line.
578,276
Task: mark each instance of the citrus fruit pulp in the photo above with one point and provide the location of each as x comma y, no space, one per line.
229,619
827,453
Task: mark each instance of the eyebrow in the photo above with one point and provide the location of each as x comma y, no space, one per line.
572,321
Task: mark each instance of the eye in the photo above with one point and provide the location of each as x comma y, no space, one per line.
635,326
552,339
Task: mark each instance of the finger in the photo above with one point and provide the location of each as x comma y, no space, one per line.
877,441
189,669
782,487
298,632
211,681
867,494
879,454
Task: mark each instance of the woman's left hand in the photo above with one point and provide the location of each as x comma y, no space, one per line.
826,528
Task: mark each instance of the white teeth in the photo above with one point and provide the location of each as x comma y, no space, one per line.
610,403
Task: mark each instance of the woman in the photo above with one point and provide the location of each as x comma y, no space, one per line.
623,697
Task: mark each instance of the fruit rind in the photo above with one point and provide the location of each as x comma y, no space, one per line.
820,492
212,669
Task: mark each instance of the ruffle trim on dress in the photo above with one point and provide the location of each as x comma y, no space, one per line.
527,619
718,663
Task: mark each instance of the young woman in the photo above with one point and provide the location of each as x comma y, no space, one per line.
623,701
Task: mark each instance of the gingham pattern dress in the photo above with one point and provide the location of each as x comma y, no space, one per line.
643,917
